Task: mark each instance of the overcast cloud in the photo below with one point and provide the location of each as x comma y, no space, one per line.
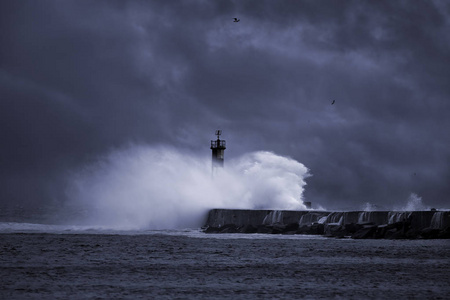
79,78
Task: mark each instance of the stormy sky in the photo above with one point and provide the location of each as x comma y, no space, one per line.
79,78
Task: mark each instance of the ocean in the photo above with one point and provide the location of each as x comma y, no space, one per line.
69,262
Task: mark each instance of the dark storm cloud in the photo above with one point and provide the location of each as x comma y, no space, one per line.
78,78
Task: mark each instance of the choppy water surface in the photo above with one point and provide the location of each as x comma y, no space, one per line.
74,263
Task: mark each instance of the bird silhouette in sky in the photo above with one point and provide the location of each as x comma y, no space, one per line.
333,102
236,20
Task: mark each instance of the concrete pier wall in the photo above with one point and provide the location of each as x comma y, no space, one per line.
243,217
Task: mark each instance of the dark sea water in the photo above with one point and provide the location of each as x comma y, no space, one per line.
45,262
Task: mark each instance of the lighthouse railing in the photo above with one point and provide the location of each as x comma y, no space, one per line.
218,144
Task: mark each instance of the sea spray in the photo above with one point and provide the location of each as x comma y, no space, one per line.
414,203
162,188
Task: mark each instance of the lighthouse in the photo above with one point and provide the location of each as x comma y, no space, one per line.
218,149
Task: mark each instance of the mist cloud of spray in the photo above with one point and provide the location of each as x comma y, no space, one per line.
414,203
161,188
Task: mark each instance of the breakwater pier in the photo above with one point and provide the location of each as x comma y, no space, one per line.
355,224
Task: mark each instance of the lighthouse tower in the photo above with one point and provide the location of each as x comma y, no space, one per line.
218,148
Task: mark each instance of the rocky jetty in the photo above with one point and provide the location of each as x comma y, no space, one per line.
355,224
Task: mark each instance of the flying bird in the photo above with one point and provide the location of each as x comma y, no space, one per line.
236,20
333,102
